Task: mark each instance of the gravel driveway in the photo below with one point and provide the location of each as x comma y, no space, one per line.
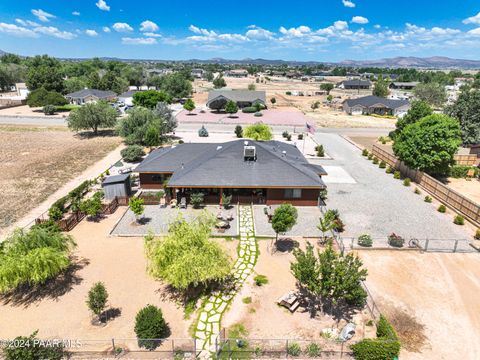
378,204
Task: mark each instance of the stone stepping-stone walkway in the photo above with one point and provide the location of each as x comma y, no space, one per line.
209,321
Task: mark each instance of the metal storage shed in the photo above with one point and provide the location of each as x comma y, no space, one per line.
117,185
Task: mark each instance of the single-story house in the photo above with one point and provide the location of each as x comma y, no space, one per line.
368,105
236,73
90,95
218,98
258,172
22,90
197,73
127,97
404,85
355,85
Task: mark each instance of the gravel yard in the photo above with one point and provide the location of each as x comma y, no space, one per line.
377,204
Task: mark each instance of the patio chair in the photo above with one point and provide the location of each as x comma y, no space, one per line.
183,203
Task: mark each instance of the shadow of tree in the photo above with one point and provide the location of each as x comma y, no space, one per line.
100,133
25,295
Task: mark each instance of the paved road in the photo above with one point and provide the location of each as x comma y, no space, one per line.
376,203
38,121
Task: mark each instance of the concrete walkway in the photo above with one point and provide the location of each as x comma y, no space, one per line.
209,322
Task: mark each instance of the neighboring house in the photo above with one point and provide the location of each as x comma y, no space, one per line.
355,85
218,98
22,90
127,97
236,73
404,85
369,105
197,73
259,172
86,96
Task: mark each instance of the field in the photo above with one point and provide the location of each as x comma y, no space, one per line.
37,161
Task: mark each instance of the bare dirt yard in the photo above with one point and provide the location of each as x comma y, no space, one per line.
36,161
27,111
440,292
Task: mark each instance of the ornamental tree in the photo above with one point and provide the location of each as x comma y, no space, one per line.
429,144
381,88
137,206
284,218
219,82
327,87
231,108
189,105
92,116
97,298
150,98
418,110
432,93
150,327
467,110
258,131
42,97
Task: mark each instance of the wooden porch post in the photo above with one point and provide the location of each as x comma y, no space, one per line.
221,196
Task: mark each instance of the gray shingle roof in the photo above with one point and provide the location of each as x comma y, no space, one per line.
368,101
356,83
101,94
115,179
237,95
278,165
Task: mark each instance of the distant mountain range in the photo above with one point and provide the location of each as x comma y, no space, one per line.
434,62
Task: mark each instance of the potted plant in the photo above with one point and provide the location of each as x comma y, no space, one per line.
395,240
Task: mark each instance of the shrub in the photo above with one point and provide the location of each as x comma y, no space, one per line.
247,300
320,150
442,208
258,131
407,182
49,109
428,199
385,329
323,194
181,141
289,137
477,235
32,348
300,137
375,160
260,280
396,175
395,240
285,134
132,153
364,152
196,199
203,132
258,114
293,349
55,213
459,220
389,169
365,240
382,165
370,156
150,324
417,191
239,131
92,206
370,322
249,110
97,298
313,350
376,349
459,171
288,93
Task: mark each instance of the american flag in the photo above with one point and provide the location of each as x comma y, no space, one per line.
310,128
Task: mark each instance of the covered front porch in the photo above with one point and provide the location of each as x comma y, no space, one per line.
213,196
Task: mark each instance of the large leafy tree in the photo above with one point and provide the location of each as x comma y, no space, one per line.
284,218
74,84
219,82
231,107
32,257
381,88
177,85
187,257
114,82
327,87
150,98
169,121
44,71
467,110
429,144
142,126
94,116
42,97
258,131
418,110
432,93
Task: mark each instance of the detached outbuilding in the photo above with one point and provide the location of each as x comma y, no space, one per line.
117,186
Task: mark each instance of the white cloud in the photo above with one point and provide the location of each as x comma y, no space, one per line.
359,20
204,32
42,15
91,33
257,33
76,13
148,26
138,41
475,32
106,29
377,26
473,20
151,34
27,22
122,27
55,32
16,30
102,5
300,31
348,3
340,25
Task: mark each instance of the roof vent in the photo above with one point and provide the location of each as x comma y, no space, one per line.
245,143
249,153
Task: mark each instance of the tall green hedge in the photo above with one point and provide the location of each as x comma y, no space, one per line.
385,329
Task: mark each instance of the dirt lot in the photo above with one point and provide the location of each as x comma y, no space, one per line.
37,161
27,111
324,116
469,188
439,290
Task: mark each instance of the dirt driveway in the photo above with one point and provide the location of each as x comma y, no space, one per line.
440,290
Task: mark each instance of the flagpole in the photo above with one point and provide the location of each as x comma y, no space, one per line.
304,136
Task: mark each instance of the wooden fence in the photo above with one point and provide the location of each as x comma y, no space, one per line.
466,160
441,192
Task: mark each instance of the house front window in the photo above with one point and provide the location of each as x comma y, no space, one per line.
293,193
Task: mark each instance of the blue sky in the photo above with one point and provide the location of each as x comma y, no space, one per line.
328,30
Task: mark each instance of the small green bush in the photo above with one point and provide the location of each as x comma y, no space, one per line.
477,235
417,191
459,220
369,322
300,137
428,199
460,171
370,156
293,349
376,349
442,208
385,329
285,134
258,114
389,169
196,199
288,93
247,300
260,280
32,348
203,132
132,153
365,240
289,137
320,150
396,175
364,152
407,182
249,110
181,141
150,324
239,131
54,213
49,109
375,160
382,165
313,350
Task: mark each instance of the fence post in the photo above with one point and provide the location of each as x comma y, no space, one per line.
426,244
173,347
341,350
455,247
113,344
286,347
